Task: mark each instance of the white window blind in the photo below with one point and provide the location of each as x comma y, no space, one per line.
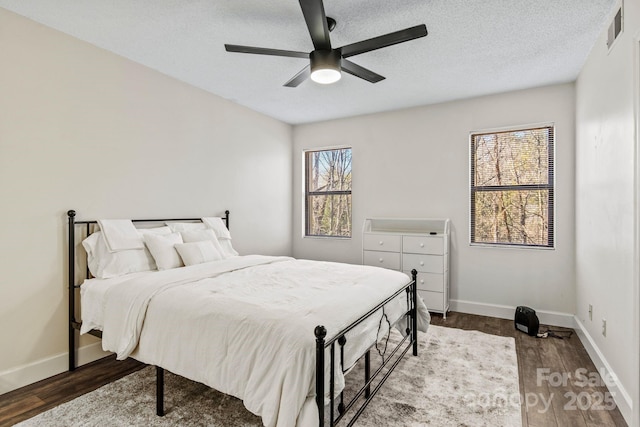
328,193
512,187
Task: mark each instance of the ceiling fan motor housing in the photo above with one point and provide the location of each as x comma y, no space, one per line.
325,65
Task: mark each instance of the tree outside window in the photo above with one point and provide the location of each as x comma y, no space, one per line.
328,193
512,187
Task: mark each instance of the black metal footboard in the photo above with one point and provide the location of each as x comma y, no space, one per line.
410,340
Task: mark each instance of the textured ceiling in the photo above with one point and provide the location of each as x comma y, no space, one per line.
474,47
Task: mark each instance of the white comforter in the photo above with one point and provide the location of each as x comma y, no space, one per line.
244,325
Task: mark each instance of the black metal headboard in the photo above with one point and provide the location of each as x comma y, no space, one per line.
74,324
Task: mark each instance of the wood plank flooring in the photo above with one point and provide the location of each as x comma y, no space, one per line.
547,399
29,401
551,392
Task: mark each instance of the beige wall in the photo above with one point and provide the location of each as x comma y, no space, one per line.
607,93
415,163
85,129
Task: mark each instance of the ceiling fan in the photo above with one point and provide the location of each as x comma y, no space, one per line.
326,62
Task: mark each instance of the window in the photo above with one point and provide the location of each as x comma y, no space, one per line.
328,193
512,185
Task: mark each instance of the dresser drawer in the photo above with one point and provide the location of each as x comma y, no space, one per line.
423,263
382,259
433,300
433,245
429,281
382,242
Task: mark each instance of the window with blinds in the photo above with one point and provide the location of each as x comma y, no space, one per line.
328,193
512,187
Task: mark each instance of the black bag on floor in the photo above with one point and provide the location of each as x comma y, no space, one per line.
526,320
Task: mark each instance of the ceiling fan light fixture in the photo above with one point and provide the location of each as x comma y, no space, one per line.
325,66
325,76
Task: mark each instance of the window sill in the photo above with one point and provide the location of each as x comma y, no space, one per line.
327,237
506,246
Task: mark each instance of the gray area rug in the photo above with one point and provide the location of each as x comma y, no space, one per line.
460,378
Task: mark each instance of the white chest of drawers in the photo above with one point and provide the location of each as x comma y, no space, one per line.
406,244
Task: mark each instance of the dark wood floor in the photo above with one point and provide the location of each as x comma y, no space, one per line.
29,401
547,400
543,364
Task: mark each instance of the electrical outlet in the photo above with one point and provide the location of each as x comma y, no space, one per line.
604,327
590,312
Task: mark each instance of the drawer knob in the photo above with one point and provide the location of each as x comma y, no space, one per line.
421,263
381,243
381,260
422,245
422,281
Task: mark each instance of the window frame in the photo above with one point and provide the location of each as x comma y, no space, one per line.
550,186
308,194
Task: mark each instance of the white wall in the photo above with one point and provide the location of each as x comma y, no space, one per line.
606,197
84,129
415,163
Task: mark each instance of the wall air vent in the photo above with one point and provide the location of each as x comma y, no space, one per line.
615,29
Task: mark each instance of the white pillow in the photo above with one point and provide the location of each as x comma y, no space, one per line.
222,233
104,264
162,248
184,226
190,236
198,252
218,227
227,249
155,230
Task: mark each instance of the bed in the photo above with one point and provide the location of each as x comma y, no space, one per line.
276,332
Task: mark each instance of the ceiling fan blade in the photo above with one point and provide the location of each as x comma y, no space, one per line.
313,11
299,78
358,71
384,41
265,51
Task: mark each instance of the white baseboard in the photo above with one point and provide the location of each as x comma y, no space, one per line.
621,396
36,371
551,318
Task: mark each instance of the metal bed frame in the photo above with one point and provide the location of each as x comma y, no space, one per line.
410,340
